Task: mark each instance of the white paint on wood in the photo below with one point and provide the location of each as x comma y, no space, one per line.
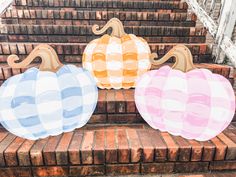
4,5
221,33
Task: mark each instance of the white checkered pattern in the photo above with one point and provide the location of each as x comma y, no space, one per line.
37,104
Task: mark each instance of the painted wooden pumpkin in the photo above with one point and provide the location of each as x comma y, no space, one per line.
47,101
183,100
116,60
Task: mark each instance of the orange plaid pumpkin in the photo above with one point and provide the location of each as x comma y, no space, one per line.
116,60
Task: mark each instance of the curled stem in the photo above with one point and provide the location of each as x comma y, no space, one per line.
115,24
182,55
50,60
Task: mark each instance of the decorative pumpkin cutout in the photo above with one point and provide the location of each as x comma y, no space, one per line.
47,101
183,100
116,60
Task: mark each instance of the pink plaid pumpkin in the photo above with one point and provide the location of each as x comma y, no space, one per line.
195,105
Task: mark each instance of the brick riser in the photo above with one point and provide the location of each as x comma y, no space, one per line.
72,52
83,34
119,150
74,17
137,5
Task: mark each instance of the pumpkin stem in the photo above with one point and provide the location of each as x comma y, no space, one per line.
115,24
50,60
183,58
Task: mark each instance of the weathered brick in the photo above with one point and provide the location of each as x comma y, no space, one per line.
134,144
122,169
88,170
148,148
123,146
23,153
49,150
111,104
191,167
197,149
157,168
159,145
3,145
220,149
173,148
86,147
208,151
50,171
184,148
231,150
36,155
111,146
99,147
10,152
74,148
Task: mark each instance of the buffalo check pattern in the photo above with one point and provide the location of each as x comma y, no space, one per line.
37,104
117,62
196,105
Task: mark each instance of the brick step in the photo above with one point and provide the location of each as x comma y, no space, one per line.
75,34
111,5
115,150
74,17
118,106
72,52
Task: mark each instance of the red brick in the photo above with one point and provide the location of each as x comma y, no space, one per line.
123,146
49,150
3,145
222,165
208,151
134,144
36,152
99,147
129,98
7,72
159,145
15,172
220,149
23,153
86,147
123,118
173,148
88,170
111,146
120,101
61,150
10,152
101,105
74,148
122,169
231,150
98,118
157,168
191,167
50,171
111,104
184,148
197,149
148,148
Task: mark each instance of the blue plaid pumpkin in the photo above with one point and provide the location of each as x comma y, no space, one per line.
37,104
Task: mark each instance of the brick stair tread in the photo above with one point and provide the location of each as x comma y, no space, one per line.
101,4
69,33
72,52
96,15
117,150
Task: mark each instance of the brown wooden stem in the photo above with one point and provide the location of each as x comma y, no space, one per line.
182,55
50,60
115,24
